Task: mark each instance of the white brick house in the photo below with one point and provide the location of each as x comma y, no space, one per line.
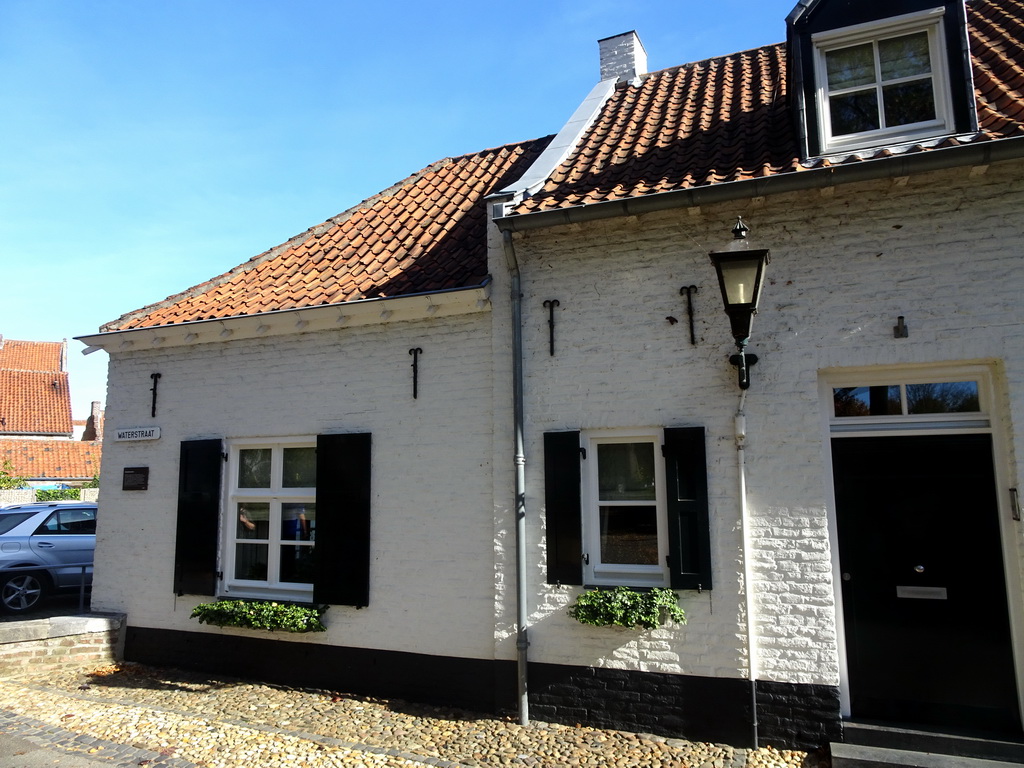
472,492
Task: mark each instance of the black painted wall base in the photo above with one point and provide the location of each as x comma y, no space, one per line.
700,708
681,706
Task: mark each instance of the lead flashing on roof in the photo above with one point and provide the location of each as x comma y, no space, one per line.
422,306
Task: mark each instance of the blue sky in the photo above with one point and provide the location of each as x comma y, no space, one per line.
148,146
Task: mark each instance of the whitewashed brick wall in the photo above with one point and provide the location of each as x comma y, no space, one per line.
432,525
943,249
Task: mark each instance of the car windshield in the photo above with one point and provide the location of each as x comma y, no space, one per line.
11,519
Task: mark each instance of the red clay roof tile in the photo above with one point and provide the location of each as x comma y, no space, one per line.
727,119
32,355
437,215
35,403
708,122
34,394
52,459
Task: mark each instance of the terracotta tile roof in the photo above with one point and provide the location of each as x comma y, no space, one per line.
52,459
728,119
35,403
31,355
427,233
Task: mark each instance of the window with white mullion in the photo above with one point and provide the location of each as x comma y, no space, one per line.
271,529
889,85
627,539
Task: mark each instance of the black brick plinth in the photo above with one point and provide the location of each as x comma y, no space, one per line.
680,706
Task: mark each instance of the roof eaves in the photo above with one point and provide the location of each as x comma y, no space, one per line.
444,302
274,252
897,165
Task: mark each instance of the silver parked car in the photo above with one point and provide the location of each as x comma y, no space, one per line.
44,547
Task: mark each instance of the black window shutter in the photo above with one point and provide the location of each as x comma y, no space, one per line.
562,502
195,547
341,558
689,526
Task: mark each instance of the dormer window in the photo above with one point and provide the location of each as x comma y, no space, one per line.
865,76
882,83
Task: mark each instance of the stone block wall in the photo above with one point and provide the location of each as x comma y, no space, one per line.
42,645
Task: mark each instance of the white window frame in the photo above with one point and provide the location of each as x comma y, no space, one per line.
596,572
904,422
992,419
275,496
930,21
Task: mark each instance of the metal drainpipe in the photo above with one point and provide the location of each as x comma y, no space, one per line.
748,565
522,638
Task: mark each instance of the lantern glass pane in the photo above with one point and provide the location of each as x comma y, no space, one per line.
739,278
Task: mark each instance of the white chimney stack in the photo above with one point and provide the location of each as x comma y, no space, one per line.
622,57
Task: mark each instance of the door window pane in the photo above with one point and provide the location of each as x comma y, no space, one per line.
254,468
299,468
950,397
867,401
629,535
625,471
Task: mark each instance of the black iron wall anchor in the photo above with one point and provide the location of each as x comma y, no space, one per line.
415,352
156,380
689,291
550,304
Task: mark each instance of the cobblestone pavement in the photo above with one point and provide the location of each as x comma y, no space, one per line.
128,714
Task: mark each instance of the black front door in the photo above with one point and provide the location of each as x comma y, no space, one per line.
924,592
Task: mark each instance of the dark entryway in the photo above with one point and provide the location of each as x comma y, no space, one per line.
924,591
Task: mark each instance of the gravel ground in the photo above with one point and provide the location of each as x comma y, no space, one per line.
225,723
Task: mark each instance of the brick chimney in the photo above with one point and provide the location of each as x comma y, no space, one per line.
622,57
94,424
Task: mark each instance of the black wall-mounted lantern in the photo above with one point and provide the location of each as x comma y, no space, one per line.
740,272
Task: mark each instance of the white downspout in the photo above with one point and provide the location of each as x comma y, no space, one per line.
522,612
748,562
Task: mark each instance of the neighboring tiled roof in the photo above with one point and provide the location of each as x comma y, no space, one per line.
35,402
427,233
51,459
728,119
31,355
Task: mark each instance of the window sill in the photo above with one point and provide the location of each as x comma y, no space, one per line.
238,592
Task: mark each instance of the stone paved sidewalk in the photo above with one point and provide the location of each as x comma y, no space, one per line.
135,715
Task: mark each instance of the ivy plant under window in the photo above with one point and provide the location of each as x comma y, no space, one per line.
625,607
261,614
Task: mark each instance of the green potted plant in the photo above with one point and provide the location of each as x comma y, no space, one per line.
625,607
261,614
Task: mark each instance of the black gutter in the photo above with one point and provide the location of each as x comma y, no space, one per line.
907,164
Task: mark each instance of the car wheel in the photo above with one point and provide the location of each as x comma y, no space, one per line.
21,592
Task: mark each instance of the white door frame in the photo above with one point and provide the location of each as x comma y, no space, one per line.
992,421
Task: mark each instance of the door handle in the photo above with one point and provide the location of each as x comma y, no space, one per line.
44,545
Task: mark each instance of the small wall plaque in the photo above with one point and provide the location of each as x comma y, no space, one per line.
922,593
135,479
137,433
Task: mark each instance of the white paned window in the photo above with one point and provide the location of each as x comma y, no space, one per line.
270,528
624,509
882,83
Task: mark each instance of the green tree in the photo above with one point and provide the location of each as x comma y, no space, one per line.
8,480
